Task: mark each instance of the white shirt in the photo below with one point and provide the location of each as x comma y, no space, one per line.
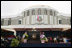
64,39
54,38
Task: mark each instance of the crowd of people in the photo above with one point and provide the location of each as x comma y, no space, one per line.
56,39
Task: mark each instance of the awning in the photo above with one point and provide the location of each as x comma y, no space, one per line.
53,27
9,29
37,26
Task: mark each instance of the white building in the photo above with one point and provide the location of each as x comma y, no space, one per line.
38,16
47,14
41,17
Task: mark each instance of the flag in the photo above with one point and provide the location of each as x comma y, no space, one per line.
38,18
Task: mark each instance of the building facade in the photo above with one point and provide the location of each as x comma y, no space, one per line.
38,15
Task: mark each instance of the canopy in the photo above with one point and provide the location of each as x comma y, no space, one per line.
9,29
12,27
37,26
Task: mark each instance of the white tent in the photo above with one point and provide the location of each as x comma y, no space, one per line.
9,29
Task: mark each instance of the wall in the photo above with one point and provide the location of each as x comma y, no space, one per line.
65,21
5,22
46,19
14,22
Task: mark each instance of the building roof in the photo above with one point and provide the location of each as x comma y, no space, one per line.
62,14
41,6
12,16
59,14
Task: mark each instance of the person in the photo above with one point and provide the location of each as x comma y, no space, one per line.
46,40
2,42
64,39
58,39
2,38
19,38
6,42
50,39
42,35
67,40
25,37
55,40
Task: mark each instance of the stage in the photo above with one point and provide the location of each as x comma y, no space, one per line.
43,45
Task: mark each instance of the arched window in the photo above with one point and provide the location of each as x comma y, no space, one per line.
33,12
70,20
9,21
59,21
19,21
45,11
54,13
27,13
51,13
2,22
39,11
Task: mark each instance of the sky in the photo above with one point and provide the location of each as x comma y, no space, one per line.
16,7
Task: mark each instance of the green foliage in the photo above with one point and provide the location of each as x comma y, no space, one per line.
43,38
26,35
14,43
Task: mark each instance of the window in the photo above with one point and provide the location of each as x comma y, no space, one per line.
9,21
54,13
39,11
27,13
70,20
51,12
2,22
45,11
33,12
24,14
59,21
19,21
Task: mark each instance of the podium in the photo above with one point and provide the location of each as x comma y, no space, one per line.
33,36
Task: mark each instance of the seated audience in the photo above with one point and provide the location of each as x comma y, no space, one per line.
64,39
55,40
58,39
46,40
50,39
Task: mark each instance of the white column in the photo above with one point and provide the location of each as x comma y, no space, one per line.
53,18
36,15
57,18
25,17
48,16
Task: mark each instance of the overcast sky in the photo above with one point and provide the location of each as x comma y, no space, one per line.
15,7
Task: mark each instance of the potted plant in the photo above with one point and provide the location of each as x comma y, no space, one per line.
43,39
14,42
25,36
